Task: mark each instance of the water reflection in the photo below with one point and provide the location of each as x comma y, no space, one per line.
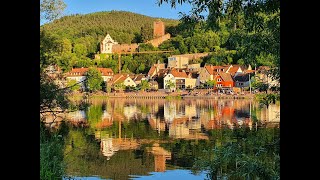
125,137
160,157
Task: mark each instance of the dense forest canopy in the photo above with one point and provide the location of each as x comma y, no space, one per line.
252,27
121,25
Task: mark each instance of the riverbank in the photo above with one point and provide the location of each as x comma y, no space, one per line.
158,95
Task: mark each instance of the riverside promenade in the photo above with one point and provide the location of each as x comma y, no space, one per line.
196,94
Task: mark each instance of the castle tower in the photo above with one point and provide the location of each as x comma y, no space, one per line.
158,28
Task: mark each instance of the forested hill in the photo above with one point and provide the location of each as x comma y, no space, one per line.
121,25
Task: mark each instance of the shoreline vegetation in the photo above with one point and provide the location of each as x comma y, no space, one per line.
152,95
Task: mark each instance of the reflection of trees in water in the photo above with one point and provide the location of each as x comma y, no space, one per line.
246,154
184,152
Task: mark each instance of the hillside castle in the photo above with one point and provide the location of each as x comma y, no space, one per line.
108,45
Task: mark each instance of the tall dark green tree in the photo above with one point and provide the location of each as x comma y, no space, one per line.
93,80
146,33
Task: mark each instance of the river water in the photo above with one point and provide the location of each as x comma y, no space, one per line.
157,139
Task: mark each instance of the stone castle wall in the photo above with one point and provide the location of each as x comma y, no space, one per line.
125,47
157,41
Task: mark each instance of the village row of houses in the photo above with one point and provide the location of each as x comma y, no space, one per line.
184,75
179,74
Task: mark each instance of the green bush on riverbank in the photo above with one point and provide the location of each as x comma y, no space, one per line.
173,97
51,153
267,99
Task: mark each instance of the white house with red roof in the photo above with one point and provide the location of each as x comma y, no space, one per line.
180,78
124,79
79,75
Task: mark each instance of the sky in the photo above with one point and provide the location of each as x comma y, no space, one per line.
145,7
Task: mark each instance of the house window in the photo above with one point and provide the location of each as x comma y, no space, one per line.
128,80
219,85
219,80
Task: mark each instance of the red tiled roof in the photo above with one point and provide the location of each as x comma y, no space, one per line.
82,71
226,76
119,78
177,73
213,69
77,72
151,71
106,71
153,68
249,71
138,77
234,69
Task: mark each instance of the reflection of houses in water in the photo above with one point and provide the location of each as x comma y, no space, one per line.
271,114
160,157
178,130
107,147
186,128
107,120
177,110
156,123
130,111
244,121
169,111
213,124
191,111
77,116
227,116
52,117
231,113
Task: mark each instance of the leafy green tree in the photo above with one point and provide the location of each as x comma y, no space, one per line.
255,26
144,85
119,86
80,50
141,68
146,47
146,33
64,63
267,99
210,83
51,9
206,49
83,63
170,85
93,79
183,48
74,85
193,49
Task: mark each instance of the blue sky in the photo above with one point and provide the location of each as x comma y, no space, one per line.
145,7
